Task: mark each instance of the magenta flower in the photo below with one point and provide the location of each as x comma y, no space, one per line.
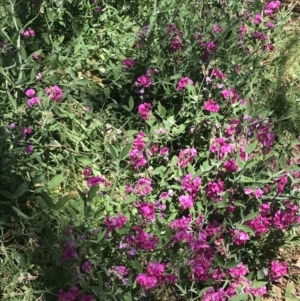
239,237
30,93
29,149
33,101
183,82
186,201
129,63
211,106
143,187
147,210
115,223
35,56
144,110
186,156
88,171
86,266
278,269
54,93
28,33
146,281
257,19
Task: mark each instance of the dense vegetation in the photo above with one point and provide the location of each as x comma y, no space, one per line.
142,154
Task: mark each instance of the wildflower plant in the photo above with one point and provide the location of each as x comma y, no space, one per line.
181,184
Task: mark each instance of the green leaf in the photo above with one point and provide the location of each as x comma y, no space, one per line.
282,162
20,190
137,266
127,297
258,284
92,193
125,151
57,180
161,110
48,200
246,229
131,103
6,194
12,101
130,199
250,216
251,147
112,150
61,202
240,297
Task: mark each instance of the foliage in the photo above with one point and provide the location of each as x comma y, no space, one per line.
139,157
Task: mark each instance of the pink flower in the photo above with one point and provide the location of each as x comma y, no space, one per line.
54,93
217,28
186,201
271,7
33,101
147,210
231,93
96,181
146,281
278,269
143,187
239,237
230,165
87,171
29,149
183,82
116,222
129,63
176,43
28,33
137,158
144,110
257,19
35,56
143,81
211,106
218,74
258,193
186,156
30,93
86,266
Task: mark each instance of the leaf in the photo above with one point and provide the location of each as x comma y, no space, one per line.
258,284
127,297
112,150
250,216
137,266
12,101
240,297
125,151
92,193
20,190
48,200
246,229
131,103
61,202
161,110
130,199
6,194
251,147
282,162
50,15
57,180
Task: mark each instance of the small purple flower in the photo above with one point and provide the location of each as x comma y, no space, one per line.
30,93
11,126
33,101
29,149
39,76
86,266
35,56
